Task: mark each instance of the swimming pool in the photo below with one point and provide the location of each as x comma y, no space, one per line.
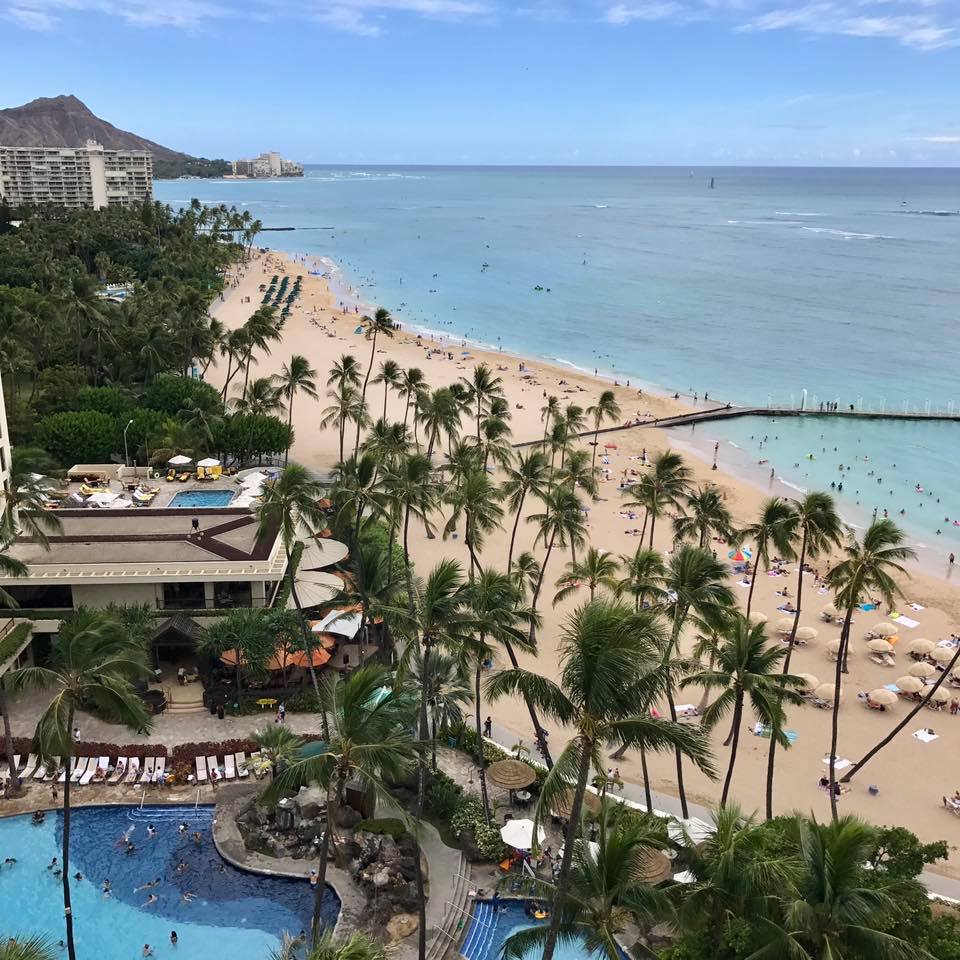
233,913
202,498
490,929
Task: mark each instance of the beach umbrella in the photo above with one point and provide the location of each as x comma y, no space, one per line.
942,654
563,803
885,630
784,624
810,682
519,834
920,645
882,696
207,462
879,645
910,684
922,670
940,695
511,774
757,617
830,611
179,460
653,867
740,555
807,633
833,646
825,691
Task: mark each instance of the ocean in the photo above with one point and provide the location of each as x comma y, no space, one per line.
773,285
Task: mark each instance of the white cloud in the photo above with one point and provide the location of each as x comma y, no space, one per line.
622,14
30,19
939,138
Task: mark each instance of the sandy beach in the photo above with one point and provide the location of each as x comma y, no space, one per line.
911,776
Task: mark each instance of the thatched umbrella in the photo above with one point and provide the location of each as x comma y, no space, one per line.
832,649
784,624
756,617
810,682
910,684
807,634
829,612
940,695
882,696
920,645
654,867
885,630
511,774
922,670
942,654
826,690
879,645
563,803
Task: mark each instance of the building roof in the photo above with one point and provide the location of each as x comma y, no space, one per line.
151,545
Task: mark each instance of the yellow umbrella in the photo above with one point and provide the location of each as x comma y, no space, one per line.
922,670
807,633
920,645
785,625
882,696
885,630
826,690
942,654
810,682
879,645
910,684
757,617
940,695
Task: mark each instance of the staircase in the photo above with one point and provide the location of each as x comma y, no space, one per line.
184,700
479,936
455,915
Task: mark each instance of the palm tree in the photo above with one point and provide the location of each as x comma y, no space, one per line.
33,948
527,476
745,667
577,472
24,497
607,890
698,582
867,570
410,492
773,531
476,501
356,946
92,661
261,329
820,529
494,441
439,414
560,523
390,377
450,687
606,408
379,323
548,412
606,653
290,505
645,571
595,569
705,514
295,377
245,633
278,745
346,407
663,487
836,911
370,584
412,385
483,386
358,490
369,742
345,372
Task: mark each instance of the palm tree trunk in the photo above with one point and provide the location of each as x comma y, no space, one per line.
653,523
343,430
648,796
734,743
923,702
534,719
307,643
481,761
332,792
65,851
513,533
835,719
418,810
573,827
681,615
593,459
643,529
363,393
772,752
753,583
8,741
286,456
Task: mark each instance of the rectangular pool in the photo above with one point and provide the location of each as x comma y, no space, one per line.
191,499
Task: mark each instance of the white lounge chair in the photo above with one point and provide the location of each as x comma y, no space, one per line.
89,772
30,768
229,770
102,770
80,769
201,769
133,768
242,770
54,769
158,770
213,769
148,765
48,769
119,771
64,772
5,770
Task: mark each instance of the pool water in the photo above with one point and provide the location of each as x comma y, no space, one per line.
202,498
233,913
490,929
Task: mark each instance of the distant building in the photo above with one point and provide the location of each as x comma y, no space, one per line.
87,176
268,164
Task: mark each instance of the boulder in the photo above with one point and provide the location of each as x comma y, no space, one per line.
347,817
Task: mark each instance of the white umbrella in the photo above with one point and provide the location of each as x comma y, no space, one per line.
757,617
920,645
785,625
882,696
179,460
879,645
207,462
940,695
830,611
810,682
834,645
922,670
826,690
910,684
942,654
320,578
806,633
885,630
519,834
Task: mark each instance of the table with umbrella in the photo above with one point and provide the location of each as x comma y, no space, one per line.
829,612
909,684
513,775
519,834
832,649
881,698
920,646
806,634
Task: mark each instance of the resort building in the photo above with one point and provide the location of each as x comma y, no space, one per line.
268,164
87,176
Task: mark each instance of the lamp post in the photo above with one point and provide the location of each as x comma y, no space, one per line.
126,456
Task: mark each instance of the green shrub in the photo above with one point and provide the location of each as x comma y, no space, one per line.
172,393
83,437
385,826
443,796
469,816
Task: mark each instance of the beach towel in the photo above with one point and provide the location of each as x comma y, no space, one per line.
903,621
917,607
841,763
925,737
867,607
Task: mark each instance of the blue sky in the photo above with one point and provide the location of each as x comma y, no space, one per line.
487,81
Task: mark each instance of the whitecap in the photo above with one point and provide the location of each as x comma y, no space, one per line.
792,486
794,213
847,234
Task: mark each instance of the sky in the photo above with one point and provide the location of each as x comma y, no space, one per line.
710,82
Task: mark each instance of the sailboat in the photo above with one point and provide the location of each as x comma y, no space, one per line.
711,183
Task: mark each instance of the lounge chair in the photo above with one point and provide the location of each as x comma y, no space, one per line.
254,764
213,769
89,772
44,766
133,769
53,770
12,771
100,770
119,771
201,769
146,771
241,759
201,473
79,769
29,768
171,475
64,772
158,770
183,477
229,770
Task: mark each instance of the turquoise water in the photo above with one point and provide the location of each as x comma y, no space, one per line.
840,282
202,498
234,914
